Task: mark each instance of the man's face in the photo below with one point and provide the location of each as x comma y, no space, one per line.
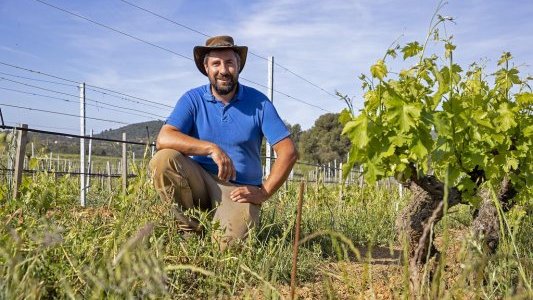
222,70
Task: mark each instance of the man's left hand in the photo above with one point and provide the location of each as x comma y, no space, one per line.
249,194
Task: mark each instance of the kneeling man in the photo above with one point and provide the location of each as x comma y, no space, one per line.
209,148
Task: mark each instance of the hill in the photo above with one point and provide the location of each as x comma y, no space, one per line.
138,132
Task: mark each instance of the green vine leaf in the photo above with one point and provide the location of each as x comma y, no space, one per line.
345,116
506,57
524,99
411,49
404,115
505,119
379,70
356,130
449,49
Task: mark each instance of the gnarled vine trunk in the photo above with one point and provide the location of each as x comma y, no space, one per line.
424,211
426,194
426,208
486,225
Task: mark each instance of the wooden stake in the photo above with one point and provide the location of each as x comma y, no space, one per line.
296,239
108,170
19,159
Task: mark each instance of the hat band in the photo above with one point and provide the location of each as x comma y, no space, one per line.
221,45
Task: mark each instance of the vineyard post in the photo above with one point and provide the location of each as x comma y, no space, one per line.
296,239
339,172
400,189
329,171
334,171
361,178
124,166
268,152
19,159
89,162
82,144
108,170
50,160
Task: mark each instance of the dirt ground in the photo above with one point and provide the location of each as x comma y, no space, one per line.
379,275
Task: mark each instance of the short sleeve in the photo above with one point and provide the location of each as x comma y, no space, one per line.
182,117
272,126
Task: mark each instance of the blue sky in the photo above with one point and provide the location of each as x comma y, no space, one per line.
328,43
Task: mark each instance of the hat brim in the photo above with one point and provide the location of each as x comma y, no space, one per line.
201,51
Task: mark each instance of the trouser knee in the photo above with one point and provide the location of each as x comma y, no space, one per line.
167,177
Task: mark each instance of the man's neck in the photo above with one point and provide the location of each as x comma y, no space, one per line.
225,99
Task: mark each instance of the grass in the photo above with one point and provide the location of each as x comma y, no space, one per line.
128,247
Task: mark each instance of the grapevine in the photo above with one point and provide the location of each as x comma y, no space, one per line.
434,123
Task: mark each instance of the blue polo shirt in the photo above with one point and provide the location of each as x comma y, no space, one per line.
237,128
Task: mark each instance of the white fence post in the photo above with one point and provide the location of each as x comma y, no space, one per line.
89,163
82,145
124,166
268,152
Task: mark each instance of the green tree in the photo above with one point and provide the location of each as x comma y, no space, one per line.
296,132
322,143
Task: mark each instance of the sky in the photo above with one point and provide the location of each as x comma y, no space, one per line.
327,44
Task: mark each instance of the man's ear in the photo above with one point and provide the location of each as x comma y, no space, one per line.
206,69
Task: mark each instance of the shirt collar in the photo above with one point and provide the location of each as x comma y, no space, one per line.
208,96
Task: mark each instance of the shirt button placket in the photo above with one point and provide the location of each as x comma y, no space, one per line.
225,114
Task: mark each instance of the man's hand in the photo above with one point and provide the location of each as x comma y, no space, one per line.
226,170
249,194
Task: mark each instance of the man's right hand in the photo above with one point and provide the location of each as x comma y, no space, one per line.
226,170
170,137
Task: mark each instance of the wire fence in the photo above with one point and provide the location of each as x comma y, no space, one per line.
19,162
331,172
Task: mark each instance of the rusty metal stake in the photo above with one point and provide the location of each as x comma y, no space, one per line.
297,239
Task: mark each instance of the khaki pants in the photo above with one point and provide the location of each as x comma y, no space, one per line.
179,179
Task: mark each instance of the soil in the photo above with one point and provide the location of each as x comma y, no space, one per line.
379,275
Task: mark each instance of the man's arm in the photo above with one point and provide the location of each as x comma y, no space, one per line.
171,138
286,158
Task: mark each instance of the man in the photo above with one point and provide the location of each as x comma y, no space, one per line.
209,148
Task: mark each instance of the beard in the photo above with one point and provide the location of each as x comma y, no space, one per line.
224,88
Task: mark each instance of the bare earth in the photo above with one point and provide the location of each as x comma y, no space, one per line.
379,275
